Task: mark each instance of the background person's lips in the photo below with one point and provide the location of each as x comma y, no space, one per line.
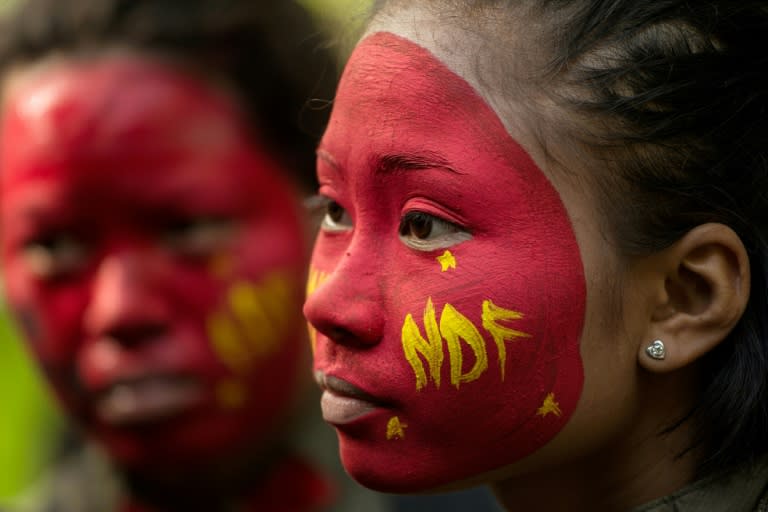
147,399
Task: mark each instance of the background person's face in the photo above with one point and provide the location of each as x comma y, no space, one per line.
153,255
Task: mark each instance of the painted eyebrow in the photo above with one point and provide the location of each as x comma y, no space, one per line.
394,163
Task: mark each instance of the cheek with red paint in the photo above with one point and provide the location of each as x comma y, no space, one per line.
134,226
453,275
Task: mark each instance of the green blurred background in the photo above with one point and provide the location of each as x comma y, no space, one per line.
28,416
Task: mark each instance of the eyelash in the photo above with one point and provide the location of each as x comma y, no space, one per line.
323,205
415,229
449,233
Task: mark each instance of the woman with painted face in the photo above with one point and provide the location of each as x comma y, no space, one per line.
152,244
543,262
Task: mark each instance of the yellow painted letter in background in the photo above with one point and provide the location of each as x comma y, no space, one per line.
455,327
492,315
316,278
247,305
226,342
431,348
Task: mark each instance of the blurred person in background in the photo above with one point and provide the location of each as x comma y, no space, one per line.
153,246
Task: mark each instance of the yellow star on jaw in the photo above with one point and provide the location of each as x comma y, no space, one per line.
550,406
395,429
447,260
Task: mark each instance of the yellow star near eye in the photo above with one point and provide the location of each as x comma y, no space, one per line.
395,429
550,406
447,260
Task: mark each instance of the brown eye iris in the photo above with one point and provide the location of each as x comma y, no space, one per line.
335,211
425,232
416,225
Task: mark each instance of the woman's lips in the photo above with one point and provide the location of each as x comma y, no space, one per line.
147,399
343,402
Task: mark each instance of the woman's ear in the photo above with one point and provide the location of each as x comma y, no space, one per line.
705,291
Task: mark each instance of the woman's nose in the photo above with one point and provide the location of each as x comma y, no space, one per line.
346,305
124,305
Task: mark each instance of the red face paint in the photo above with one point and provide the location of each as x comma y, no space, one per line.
153,250
452,297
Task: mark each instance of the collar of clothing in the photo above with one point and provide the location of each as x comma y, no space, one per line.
293,486
742,489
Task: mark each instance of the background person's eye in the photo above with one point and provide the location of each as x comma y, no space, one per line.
53,256
425,232
199,236
336,217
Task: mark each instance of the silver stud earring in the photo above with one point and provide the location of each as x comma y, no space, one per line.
656,350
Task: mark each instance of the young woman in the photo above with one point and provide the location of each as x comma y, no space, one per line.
543,262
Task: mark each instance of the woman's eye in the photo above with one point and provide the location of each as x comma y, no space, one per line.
54,256
199,236
336,218
425,232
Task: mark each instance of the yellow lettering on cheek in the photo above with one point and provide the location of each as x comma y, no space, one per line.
226,343
430,348
315,279
492,315
277,302
262,311
248,308
395,429
456,327
312,337
254,322
312,331
550,406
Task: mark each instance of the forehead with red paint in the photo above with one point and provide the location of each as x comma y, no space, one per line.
83,122
455,296
135,211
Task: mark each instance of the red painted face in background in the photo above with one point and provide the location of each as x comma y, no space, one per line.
447,289
153,253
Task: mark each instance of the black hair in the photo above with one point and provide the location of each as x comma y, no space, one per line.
269,52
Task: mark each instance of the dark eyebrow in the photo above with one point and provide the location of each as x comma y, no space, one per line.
393,163
390,164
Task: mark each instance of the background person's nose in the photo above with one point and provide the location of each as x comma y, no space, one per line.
124,304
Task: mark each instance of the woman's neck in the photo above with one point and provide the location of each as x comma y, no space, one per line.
650,456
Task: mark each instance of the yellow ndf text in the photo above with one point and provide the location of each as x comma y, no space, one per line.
455,328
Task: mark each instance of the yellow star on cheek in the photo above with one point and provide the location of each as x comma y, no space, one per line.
550,406
395,429
447,260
